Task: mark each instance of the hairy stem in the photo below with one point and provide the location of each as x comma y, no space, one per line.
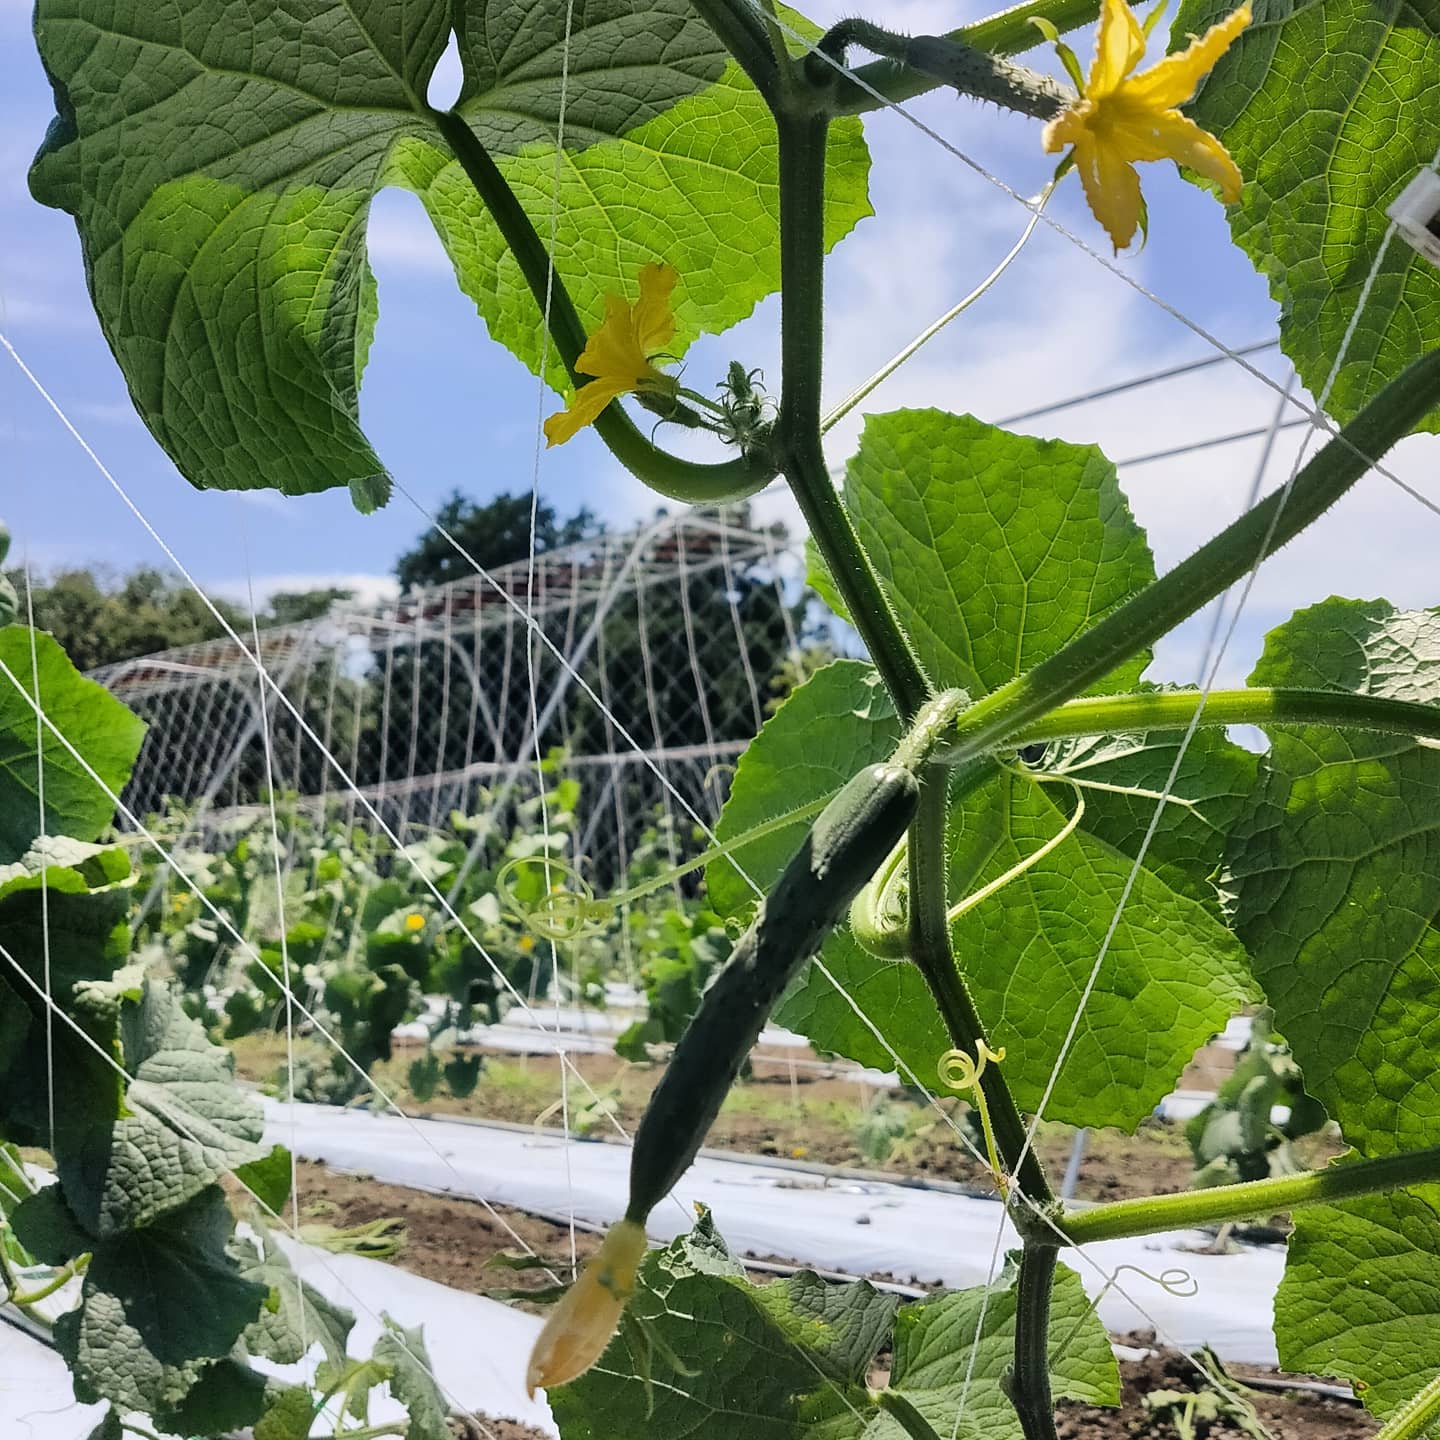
934,956
1152,1214
1028,1383
802,262
1008,33
686,480
1193,583
1257,705
1415,1417
910,1420
743,31
946,60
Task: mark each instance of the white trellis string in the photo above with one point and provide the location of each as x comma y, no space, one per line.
42,842
275,849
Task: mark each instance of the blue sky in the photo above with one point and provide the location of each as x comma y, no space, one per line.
446,407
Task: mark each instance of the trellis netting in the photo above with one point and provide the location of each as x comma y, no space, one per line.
684,630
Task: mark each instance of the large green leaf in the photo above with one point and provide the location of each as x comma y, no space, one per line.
297,1315
412,1380
157,1304
184,1125
221,167
100,728
996,549
62,927
1328,108
1336,864
951,1355
785,1361
1361,1294
791,1360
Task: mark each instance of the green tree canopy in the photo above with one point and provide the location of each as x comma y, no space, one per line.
492,534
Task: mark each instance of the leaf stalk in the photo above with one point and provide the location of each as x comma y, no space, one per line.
690,481
1255,705
1154,1214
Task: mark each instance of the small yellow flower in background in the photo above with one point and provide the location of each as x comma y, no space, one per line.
618,353
1122,118
527,943
414,921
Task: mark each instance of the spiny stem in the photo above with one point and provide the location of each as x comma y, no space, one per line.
934,956
1415,1417
945,60
1152,1214
1007,33
1028,1383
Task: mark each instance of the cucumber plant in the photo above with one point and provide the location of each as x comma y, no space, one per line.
220,163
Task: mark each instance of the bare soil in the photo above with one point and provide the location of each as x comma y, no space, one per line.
452,1240
797,1113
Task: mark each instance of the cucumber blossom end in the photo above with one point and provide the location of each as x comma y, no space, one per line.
582,1325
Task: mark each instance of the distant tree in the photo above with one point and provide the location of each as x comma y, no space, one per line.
294,607
492,534
102,618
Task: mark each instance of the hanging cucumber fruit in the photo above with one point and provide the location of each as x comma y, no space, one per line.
851,838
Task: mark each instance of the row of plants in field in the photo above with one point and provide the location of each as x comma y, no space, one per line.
451,927
909,884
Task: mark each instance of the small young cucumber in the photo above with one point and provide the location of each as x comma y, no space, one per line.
852,836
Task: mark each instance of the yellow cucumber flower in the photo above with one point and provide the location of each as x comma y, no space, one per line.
618,353
414,921
1122,117
582,1323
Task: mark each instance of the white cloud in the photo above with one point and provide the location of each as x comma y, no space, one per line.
399,235
367,588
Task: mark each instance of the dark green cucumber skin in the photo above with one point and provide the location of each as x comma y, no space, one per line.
846,845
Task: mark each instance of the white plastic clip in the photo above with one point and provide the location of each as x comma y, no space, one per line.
1416,213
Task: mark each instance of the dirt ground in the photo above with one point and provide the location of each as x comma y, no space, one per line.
803,1114
451,1240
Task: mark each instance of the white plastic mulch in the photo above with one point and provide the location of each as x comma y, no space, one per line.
477,1350
860,1228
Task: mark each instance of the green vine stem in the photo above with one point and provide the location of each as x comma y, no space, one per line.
1257,705
934,957
802,267
686,480
57,1281
1028,1382
1152,1214
910,1420
1007,33
1218,564
1415,1417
